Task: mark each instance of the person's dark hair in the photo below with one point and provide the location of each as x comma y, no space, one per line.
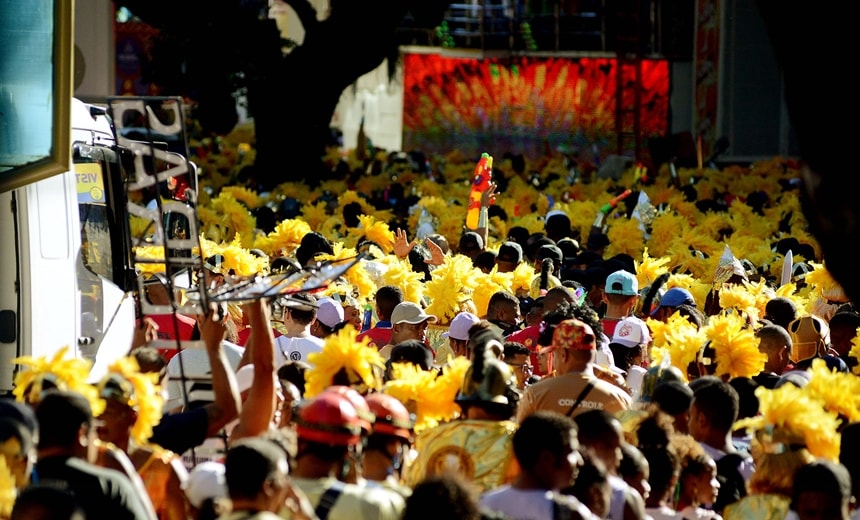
563,312
442,496
61,414
539,432
500,298
484,260
849,452
284,265
821,476
672,397
595,426
351,212
589,316
664,465
46,501
387,298
780,311
418,257
410,351
312,244
519,234
692,313
718,401
569,247
294,372
304,316
14,429
623,355
535,242
592,474
514,348
557,226
747,400
24,414
249,463
150,361
633,462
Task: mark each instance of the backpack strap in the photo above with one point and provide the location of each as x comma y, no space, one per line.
328,500
581,396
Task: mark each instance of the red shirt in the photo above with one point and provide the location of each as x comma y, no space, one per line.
378,336
529,337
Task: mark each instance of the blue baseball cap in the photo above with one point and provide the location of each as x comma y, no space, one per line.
674,297
622,282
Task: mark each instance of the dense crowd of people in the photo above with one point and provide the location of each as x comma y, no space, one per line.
649,345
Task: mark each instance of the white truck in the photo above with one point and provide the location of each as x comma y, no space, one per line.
66,270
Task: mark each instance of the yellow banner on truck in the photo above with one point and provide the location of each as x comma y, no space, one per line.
91,186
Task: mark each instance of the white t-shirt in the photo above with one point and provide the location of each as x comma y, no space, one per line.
634,381
296,349
527,504
198,373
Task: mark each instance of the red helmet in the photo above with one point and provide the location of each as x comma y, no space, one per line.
365,416
329,418
392,418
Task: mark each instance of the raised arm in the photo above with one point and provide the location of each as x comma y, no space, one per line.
226,404
258,410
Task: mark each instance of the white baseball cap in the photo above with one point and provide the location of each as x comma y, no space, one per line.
330,312
205,480
460,326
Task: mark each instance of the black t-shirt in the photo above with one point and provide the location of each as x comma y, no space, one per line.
101,492
179,432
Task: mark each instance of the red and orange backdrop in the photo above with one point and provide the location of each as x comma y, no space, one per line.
522,104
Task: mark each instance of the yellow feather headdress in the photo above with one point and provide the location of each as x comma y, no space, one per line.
376,231
236,258
450,284
650,268
8,490
738,297
343,355
735,345
284,239
838,391
428,395
791,414
65,373
357,276
676,338
400,274
140,391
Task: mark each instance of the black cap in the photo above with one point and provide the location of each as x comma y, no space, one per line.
510,252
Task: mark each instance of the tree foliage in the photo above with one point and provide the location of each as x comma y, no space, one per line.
209,51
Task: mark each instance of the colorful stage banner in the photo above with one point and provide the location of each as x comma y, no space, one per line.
522,104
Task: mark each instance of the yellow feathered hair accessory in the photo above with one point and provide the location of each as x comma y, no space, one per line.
140,391
8,490
284,239
374,230
677,339
428,395
488,284
231,218
64,373
739,298
735,345
650,268
855,351
357,276
839,391
792,414
450,284
344,361
400,274
236,258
